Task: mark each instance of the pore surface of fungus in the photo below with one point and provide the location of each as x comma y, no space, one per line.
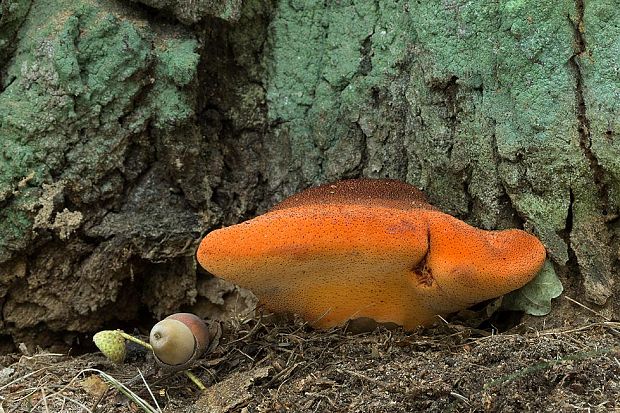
369,249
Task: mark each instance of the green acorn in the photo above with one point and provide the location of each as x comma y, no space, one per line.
112,344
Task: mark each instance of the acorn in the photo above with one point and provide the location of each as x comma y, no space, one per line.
180,339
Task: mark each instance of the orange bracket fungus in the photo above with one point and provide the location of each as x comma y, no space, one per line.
369,249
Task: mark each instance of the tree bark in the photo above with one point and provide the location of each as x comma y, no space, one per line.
127,135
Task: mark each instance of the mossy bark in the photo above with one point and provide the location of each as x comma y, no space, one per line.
126,135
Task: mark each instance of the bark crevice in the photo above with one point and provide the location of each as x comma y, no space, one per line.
585,138
589,233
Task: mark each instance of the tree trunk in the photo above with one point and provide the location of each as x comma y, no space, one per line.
126,135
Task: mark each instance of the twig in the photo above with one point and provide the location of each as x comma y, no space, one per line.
76,402
246,355
251,332
124,389
44,398
285,373
195,379
443,319
149,389
604,317
103,393
29,390
40,355
365,377
612,325
460,397
324,396
23,377
135,340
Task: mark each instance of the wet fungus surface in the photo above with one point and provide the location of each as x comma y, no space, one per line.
369,249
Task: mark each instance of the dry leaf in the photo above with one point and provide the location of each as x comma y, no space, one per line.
230,393
94,385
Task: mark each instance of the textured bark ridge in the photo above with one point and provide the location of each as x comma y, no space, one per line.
126,135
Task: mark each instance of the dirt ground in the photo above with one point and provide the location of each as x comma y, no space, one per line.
284,366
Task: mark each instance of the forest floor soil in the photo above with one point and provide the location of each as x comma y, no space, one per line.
285,366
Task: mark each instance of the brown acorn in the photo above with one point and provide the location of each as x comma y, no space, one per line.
180,339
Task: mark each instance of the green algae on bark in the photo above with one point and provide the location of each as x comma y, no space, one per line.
81,83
